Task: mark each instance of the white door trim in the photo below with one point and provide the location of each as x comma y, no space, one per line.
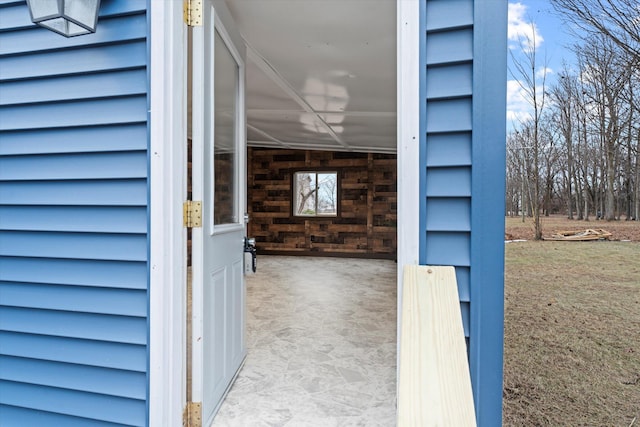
408,149
167,282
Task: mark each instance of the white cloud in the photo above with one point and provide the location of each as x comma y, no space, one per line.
544,72
521,31
518,106
524,37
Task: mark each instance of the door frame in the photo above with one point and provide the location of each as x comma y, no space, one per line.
168,171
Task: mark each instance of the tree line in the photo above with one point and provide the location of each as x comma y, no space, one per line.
578,153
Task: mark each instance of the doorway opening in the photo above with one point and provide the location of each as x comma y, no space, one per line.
321,98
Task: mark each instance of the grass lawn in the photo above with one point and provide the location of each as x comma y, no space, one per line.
572,333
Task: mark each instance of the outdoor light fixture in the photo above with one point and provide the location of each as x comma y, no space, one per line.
67,17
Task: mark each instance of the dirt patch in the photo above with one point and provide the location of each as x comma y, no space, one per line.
620,230
572,333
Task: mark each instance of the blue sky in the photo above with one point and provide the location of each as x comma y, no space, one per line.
553,45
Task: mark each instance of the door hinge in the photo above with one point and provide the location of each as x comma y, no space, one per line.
192,416
192,12
192,214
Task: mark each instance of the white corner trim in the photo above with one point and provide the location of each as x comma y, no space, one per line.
167,285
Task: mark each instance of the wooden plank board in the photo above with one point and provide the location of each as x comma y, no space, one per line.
434,386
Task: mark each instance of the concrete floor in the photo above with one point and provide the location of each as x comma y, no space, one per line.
321,337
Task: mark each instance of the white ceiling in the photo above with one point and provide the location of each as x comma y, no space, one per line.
321,74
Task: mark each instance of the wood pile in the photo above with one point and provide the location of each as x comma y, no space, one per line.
580,236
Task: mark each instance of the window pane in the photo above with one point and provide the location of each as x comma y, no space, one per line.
225,147
305,188
327,194
315,193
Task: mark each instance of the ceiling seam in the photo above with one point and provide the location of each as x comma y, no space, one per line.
271,72
266,135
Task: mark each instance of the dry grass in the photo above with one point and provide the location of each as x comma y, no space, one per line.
572,333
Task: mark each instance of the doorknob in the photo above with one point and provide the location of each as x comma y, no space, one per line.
250,259
246,218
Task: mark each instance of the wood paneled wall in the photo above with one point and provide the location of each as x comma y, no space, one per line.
366,224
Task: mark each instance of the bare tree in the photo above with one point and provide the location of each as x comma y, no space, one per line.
327,192
580,148
606,74
306,188
615,19
531,78
564,95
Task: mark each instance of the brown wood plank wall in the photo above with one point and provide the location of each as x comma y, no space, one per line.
366,224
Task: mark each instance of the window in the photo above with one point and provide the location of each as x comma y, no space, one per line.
315,193
225,158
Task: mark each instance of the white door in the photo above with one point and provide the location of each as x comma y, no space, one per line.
219,181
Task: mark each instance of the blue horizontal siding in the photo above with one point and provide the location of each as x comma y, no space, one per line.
124,329
80,404
106,381
119,247
104,219
77,272
459,218
448,182
450,46
463,279
448,149
448,248
123,192
87,299
74,220
73,87
35,38
465,311
131,109
13,416
75,140
462,87
446,124
126,55
449,81
74,166
72,350
449,14
450,115
13,17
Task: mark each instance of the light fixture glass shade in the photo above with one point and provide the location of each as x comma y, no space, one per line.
67,17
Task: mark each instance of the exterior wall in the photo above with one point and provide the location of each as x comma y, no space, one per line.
463,81
366,221
74,220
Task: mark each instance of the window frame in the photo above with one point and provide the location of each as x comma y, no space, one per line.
293,191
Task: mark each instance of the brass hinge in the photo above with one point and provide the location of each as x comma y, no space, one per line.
192,416
192,12
192,214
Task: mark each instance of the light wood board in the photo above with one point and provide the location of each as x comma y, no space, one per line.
434,386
